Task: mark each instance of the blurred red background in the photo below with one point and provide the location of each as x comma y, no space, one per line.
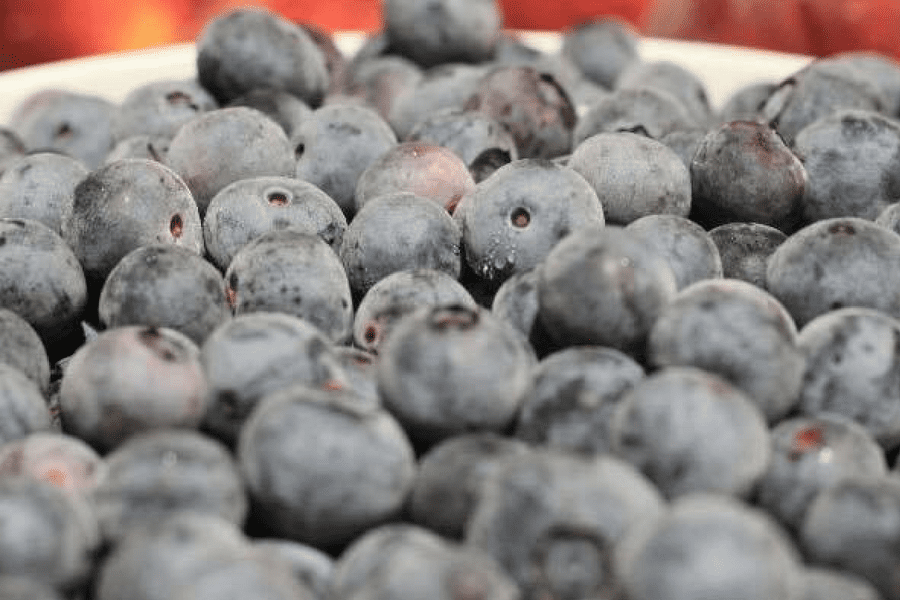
43,30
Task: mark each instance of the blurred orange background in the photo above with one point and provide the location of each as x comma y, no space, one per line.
37,31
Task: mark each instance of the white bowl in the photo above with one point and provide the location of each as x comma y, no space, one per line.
724,69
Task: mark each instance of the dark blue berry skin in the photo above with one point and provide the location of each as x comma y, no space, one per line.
131,379
160,108
21,347
127,204
553,520
419,168
469,134
603,286
669,77
156,474
311,567
745,249
710,546
601,49
43,280
322,468
809,455
836,263
140,146
813,93
23,409
78,125
853,369
398,295
449,479
49,535
746,103
822,583
743,171
165,286
336,144
852,158
633,176
40,186
378,80
855,526
281,106
404,562
226,145
573,398
397,232
532,105
255,354
737,331
690,250
516,301
249,48
248,208
512,220
293,272
448,370
443,31
691,431
651,112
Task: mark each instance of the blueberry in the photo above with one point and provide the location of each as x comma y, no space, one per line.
248,208
155,474
652,112
449,478
822,583
873,68
684,142
360,373
603,287
47,535
293,272
12,148
690,250
379,80
853,369
889,217
40,186
633,176
336,144
737,331
532,105
833,150
419,168
26,588
710,546
225,145
691,431
669,77
398,295
23,409
512,220
573,397
516,301
131,379
78,125
55,458
165,286
451,369
244,577
281,106
321,467
553,521
248,48
335,62
855,526
404,562
43,280
160,108
396,232
127,204
836,263
140,146
443,31
255,354
746,103
602,49
745,249
811,454
743,171
310,566
21,347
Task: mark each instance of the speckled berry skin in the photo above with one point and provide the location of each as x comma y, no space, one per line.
40,186
745,249
688,248
21,347
160,108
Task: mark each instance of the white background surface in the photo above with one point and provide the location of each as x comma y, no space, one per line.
724,69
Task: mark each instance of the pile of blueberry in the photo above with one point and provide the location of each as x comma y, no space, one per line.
452,318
